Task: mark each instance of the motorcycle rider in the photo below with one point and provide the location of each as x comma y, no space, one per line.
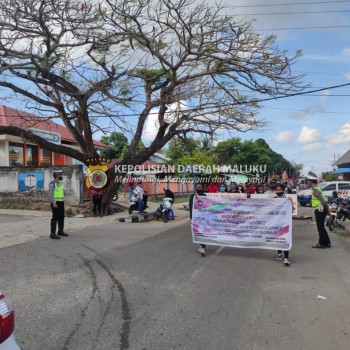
168,193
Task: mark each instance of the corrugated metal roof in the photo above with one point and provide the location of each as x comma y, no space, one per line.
14,117
344,159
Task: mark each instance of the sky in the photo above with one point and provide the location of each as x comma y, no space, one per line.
312,129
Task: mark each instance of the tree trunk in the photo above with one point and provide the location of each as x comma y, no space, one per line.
116,180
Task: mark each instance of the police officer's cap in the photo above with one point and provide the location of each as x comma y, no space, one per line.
58,172
312,179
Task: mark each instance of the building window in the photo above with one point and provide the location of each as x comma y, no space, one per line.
16,154
45,157
32,155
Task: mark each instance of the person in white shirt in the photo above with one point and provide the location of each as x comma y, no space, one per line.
139,193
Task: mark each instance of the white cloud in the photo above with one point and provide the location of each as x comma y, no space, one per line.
308,135
152,125
342,56
325,93
311,147
284,136
341,136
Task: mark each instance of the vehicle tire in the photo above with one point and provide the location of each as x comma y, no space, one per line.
331,223
131,209
115,197
165,216
303,204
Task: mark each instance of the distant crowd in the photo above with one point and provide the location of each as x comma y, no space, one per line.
248,188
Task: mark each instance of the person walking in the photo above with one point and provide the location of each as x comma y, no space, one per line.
139,193
280,194
198,192
97,200
56,196
320,206
284,175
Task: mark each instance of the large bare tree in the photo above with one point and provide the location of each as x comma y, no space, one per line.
108,65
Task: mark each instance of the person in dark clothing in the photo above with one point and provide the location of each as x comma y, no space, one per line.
198,192
321,210
97,200
168,193
145,200
288,189
56,196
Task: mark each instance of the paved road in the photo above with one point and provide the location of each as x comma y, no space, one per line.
145,287
21,226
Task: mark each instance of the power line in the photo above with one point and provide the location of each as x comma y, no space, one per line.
294,3
257,100
300,28
291,13
304,110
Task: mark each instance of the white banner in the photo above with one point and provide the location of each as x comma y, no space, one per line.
292,197
263,223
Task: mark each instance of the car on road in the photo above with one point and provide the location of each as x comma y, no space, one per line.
304,196
7,325
341,187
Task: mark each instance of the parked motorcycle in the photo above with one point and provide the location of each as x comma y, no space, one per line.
344,209
134,203
333,219
164,209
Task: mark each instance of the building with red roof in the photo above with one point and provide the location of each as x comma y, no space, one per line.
15,151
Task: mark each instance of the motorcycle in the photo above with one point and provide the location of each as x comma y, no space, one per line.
333,219
164,209
134,203
344,210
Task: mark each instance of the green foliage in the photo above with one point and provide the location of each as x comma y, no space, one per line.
177,147
311,173
198,157
119,145
236,152
225,150
327,176
297,168
230,152
117,141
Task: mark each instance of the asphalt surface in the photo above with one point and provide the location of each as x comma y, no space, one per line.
145,287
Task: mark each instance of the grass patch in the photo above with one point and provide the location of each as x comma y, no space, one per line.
15,206
177,200
342,233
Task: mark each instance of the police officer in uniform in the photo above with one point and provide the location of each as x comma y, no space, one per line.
56,195
321,209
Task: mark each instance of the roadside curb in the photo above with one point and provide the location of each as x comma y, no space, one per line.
345,228
302,217
139,218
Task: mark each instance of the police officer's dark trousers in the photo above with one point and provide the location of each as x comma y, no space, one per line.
320,217
57,217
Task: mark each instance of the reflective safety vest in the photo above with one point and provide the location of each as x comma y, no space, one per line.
58,192
315,202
